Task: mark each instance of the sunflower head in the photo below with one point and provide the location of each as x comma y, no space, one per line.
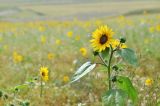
50,56
44,73
148,82
116,43
83,51
65,79
101,38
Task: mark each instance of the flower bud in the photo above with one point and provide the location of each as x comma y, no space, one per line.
26,103
95,53
11,105
1,93
122,40
114,79
115,67
16,89
35,78
5,96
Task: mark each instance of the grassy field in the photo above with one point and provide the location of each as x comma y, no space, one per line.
25,46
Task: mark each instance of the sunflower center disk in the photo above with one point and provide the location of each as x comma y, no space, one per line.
103,39
43,73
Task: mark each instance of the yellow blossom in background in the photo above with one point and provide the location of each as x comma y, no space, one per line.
14,30
77,38
87,24
5,47
58,42
50,56
146,40
17,57
101,38
98,22
83,51
41,28
122,17
44,73
148,82
115,43
43,39
1,39
151,29
70,34
158,27
142,21
65,79
158,16
129,22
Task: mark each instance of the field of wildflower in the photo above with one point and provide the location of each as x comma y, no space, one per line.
39,59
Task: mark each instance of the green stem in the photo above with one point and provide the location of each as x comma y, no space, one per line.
108,66
41,88
102,60
109,69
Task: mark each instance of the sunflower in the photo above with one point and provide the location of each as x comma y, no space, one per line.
17,57
102,38
148,82
50,56
83,51
44,73
65,79
43,39
115,43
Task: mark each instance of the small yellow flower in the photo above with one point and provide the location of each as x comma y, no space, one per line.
41,28
98,22
158,27
146,40
43,39
148,82
77,38
101,38
151,29
17,57
65,79
58,42
142,21
70,34
115,43
44,73
158,16
83,51
1,39
50,56
5,47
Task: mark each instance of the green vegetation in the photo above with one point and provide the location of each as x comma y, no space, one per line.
34,36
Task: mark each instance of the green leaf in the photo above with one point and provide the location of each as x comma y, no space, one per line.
102,68
83,67
82,71
19,87
128,55
105,54
125,84
115,97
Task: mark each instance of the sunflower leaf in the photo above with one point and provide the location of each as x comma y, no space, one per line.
82,71
128,55
105,54
115,97
19,87
125,84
